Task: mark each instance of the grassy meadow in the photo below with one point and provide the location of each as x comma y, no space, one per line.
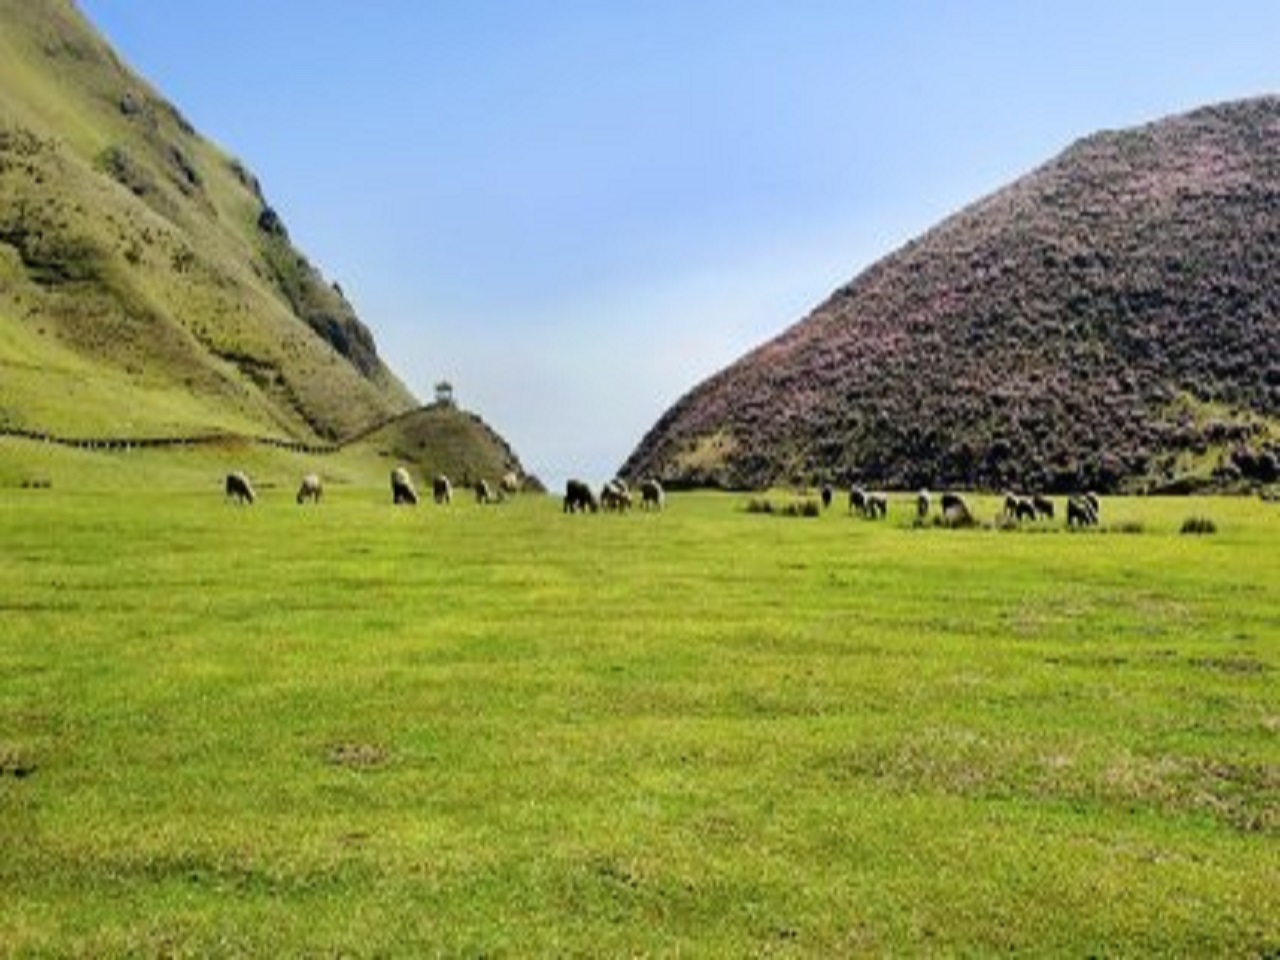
502,731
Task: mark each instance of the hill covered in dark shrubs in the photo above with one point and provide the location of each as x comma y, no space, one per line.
1109,321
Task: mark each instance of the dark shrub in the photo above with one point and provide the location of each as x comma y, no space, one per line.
1199,525
1127,526
805,508
1268,467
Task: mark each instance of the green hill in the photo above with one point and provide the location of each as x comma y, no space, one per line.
443,439
149,291
146,285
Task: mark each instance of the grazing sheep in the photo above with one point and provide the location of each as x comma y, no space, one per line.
1018,508
312,489
484,494
955,512
1080,513
922,504
652,496
239,489
510,485
1091,498
1043,506
442,490
1010,506
827,494
615,495
579,498
868,505
402,488
858,501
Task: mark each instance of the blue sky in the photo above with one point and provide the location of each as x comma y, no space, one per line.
575,211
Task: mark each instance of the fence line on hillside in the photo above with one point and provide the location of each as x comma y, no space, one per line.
211,439
143,443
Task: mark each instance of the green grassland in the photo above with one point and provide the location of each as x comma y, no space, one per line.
505,731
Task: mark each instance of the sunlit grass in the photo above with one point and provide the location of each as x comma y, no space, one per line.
507,731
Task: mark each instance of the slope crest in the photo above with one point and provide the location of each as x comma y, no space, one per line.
144,279
1110,320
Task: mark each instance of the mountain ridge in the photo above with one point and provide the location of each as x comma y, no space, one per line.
1108,320
145,279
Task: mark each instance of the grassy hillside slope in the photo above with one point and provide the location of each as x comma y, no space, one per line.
427,442
145,282
443,439
1111,320
439,439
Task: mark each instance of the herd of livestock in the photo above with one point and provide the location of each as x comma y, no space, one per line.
240,490
1083,509
617,496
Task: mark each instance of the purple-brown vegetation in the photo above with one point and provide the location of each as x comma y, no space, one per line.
1058,335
